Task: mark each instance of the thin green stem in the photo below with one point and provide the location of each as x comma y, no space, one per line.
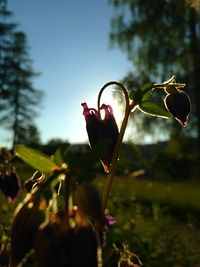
114,162
115,158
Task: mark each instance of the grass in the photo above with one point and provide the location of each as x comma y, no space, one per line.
176,196
158,220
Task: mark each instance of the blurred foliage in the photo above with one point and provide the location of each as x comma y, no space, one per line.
160,161
169,44
131,159
45,212
176,160
156,220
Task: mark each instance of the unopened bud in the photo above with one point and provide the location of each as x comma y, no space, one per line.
23,230
179,106
10,185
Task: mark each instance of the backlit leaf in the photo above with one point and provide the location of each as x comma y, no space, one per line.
146,95
35,158
147,86
154,109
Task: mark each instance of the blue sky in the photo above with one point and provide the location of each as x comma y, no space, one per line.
69,45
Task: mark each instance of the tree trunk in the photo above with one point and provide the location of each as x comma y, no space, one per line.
16,123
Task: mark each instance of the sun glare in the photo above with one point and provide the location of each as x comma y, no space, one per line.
108,99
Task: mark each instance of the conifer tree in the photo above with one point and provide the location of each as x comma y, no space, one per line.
19,98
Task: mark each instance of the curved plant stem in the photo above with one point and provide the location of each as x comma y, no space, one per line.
121,86
130,106
113,167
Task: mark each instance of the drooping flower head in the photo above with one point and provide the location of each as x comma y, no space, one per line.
101,130
93,120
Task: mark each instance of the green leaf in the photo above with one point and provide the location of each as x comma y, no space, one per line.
146,90
154,109
147,86
146,95
35,158
60,154
135,95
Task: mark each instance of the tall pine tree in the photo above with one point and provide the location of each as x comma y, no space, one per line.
19,97
6,31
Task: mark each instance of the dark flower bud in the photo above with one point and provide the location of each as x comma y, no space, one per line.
179,106
23,230
10,185
89,201
101,130
55,246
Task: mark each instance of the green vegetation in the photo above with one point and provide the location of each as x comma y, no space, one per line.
158,53
156,220
159,221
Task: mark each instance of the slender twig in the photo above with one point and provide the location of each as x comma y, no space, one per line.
67,202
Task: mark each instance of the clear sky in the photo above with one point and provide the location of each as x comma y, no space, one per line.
69,45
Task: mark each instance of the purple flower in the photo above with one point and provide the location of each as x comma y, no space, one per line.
93,121
101,130
109,220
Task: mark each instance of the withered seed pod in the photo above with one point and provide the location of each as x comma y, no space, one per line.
179,106
23,230
55,246
89,201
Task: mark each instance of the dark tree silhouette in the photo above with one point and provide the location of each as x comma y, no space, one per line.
161,40
6,30
19,97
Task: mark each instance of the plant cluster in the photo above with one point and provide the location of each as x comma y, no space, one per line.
62,219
